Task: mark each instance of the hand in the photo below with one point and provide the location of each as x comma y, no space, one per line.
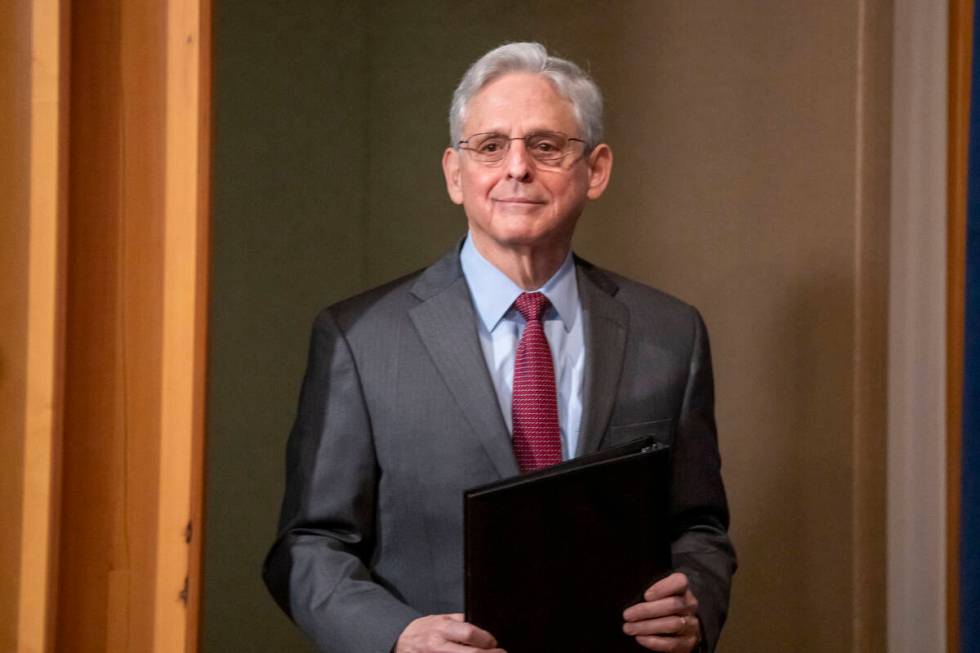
445,633
667,619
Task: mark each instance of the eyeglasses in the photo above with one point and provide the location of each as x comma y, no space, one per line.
547,148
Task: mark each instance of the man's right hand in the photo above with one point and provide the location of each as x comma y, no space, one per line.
445,633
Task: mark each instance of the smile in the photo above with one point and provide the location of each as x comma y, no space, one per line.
517,200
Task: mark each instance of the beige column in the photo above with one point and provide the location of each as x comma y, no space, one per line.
917,332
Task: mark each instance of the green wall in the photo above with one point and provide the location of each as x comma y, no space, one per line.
288,237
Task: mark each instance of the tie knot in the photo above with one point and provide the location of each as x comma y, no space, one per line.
532,305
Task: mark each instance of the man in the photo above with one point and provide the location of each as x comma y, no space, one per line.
433,384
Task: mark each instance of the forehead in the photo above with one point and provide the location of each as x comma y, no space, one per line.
518,103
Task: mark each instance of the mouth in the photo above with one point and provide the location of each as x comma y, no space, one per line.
517,200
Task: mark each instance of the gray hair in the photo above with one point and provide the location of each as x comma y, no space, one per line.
569,80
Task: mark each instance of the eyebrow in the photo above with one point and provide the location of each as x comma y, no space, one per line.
502,129
531,132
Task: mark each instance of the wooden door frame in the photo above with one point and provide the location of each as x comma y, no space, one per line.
111,455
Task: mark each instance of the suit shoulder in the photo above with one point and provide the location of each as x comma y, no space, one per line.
630,290
639,296
653,314
385,300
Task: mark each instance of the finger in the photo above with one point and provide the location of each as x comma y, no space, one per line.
452,647
676,583
691,601
456,616
467,633
674,625
669,644
672,605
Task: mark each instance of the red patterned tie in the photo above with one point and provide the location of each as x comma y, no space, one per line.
537,438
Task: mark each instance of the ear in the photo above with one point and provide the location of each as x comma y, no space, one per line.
450,168
600,168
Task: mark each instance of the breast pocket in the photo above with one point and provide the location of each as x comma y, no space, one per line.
661,430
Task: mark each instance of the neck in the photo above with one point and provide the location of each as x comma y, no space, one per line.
528,266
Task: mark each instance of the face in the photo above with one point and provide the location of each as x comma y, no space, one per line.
517,203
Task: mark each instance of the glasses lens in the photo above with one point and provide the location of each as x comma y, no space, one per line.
545,147
489,147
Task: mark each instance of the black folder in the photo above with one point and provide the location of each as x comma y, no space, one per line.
554,557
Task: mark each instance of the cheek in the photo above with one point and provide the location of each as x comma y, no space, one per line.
479,182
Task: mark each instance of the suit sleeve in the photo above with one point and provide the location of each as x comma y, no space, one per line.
701,547
317,569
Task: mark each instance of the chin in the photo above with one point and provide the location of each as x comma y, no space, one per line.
525,238
524,231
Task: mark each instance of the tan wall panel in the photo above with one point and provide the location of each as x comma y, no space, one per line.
917,349
751,143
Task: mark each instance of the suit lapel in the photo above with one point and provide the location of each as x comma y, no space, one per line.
606,324
445,321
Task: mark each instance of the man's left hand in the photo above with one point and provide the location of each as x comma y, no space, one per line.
667,618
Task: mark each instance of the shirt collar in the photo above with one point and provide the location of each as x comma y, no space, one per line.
494,293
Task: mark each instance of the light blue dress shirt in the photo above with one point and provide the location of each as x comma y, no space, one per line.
500,326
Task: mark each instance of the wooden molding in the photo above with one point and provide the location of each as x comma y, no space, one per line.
960,72
45,317
203,182
184,323
872,204
16,87
136,315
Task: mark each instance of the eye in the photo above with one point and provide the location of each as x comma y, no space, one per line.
546,144
491,145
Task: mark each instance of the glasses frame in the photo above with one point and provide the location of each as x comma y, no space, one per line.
555,163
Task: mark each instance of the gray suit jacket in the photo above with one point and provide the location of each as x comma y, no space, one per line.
398,415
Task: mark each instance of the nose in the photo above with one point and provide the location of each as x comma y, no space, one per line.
517,161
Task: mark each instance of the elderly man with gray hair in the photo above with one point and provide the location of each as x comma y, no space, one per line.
508,355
